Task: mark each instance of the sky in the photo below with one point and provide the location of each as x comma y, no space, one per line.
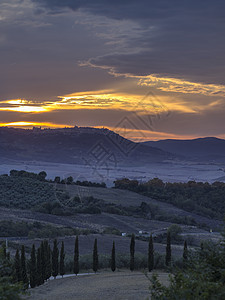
146,69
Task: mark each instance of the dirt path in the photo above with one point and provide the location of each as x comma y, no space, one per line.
119,285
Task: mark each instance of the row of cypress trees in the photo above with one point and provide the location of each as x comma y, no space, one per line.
45,263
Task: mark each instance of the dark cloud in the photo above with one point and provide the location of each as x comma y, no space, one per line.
179,38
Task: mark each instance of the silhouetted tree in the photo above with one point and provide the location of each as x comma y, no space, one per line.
43,261
39,266
57,179
113,258
33,268
4,250
55,260
150,254
168,249
24,268
69,180
76,257
49,262
132,251
185,252
95,256
61,263
42,175
17,266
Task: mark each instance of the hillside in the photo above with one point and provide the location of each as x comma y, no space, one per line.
78,145
202,149
101,205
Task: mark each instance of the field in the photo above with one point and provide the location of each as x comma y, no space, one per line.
170,171
119,285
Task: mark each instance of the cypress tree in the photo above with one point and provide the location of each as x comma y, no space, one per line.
95,256
61,263
202,246
113,258
39,267
24,268
49,263
168,249
76,257
45,248
55,260
17,267
4,250
43,262
150,254
185,252
132,251
33,268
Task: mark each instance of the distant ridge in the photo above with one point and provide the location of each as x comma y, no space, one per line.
203,149
76,145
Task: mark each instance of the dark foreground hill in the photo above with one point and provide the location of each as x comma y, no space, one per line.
203,149
78,145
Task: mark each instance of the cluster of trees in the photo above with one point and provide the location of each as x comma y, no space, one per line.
42,265
70,180
202,276
200,197
45,262
40,176
37,230
9,289
93,205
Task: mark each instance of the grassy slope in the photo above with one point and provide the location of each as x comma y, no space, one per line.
127,198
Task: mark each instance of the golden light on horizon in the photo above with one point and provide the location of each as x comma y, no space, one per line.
32,124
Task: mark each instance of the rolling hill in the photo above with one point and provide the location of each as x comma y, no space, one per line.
203,149
78,145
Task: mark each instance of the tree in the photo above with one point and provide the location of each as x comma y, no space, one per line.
33,268
61,263
69,180
113,258
39,274
49,264
76,257
47,258
43,262
9,290
24,268
185,252
132,251
42,175
95,256
150,254
57,179
17,267
55,259
4,250
168,249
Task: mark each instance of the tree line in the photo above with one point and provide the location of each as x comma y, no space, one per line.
44,262
200,197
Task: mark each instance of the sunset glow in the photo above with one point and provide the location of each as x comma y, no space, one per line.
113,63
